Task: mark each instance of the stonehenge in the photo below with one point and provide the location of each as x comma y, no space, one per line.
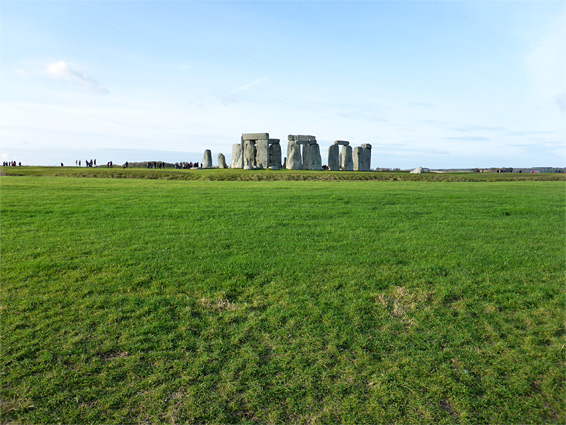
249,152
335,160
333,157
274,161
258,151
293,160
346,162
237,158
207,159
307,158
362,157
366,163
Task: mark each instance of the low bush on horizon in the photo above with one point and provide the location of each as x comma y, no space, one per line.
136,300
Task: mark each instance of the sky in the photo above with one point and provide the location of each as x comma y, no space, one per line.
438,84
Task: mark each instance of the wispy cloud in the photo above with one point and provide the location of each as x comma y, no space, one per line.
421,105
468,139
529,133
473,128
60,70
249,85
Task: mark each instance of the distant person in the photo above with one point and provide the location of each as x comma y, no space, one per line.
61,164
95,162
20,163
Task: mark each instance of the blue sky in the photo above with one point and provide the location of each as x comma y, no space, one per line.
442,84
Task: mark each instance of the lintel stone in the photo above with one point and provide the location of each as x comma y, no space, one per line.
255,136
341,142
301,138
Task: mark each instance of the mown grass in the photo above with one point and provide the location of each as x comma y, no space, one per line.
270,175
307,302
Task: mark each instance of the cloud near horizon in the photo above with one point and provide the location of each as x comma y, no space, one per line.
60,70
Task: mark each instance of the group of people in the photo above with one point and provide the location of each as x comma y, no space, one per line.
155,164
186,165
88,163
11,164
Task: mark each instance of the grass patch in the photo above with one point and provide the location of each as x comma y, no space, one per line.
357,302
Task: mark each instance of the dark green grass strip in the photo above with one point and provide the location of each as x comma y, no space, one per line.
304,302
270,175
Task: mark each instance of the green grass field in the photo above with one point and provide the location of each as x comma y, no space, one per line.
148,300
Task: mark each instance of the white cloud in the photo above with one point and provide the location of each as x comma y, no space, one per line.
60,70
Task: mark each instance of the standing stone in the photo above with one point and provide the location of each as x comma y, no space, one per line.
366,157
207,159
275,156
237,156
222,161
313,161
284,163
249,154
334,157
262,155
357,157
346,162
305,156
294,156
